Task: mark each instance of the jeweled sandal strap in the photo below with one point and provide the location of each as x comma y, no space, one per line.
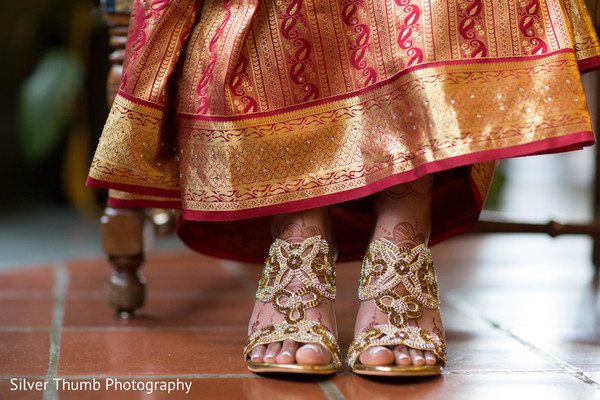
302,332
310,262
390,335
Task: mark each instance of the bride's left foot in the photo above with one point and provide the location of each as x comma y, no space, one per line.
401,355
398,321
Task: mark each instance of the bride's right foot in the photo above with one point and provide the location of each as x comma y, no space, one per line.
292,328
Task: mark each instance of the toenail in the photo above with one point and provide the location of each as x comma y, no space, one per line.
377,350
255,357
286,354
402,356
313,347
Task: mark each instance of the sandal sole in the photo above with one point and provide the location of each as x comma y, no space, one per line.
395,370
291,368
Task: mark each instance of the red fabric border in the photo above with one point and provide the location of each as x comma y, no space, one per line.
589,64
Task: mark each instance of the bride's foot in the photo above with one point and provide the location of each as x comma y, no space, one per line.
401,355
292,328
265,314
398,323
397,355
290,352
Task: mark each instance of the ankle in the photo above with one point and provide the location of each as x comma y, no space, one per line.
402,234
297,226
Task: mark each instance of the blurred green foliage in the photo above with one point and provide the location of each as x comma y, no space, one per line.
52,75
47,101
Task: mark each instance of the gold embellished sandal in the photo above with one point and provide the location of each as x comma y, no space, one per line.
311,263
385,267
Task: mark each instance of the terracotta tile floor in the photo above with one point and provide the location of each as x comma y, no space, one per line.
521,313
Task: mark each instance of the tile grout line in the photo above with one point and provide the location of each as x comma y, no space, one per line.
331,391
562,365
86,328
193,328
23,329
58,313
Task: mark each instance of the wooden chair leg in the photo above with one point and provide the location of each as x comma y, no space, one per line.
123,242
122,229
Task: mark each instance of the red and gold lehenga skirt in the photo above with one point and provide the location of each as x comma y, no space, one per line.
236,110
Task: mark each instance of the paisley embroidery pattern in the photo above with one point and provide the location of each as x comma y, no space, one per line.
471,30
360,47
299,56
531,27
407,29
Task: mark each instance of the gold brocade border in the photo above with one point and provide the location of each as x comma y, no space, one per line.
135,150
328,183
155,111
586,44
430,115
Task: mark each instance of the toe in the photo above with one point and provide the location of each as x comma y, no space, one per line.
272,352
430,358
417,357
257,354
287,354
313,354
377,355
401,356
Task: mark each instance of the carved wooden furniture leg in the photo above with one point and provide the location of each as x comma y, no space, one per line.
123,242
122,229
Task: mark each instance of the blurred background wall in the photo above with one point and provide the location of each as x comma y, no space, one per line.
59,49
